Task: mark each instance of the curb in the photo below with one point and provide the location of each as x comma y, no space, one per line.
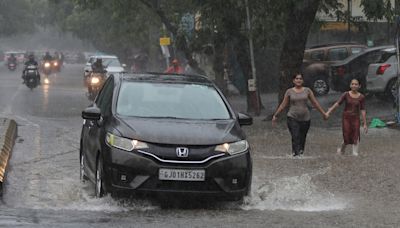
8,133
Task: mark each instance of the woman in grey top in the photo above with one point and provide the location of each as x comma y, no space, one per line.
298,116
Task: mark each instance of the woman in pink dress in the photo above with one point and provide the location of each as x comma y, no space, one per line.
354,105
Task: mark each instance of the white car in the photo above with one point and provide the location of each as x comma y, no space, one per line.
110,62
382,76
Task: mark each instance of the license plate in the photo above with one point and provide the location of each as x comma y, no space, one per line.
182,174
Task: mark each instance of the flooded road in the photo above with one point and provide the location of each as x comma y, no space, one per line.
321,189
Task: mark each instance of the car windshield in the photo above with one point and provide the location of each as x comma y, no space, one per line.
113,62
167,100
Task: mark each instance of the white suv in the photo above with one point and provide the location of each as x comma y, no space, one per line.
110,62
382,76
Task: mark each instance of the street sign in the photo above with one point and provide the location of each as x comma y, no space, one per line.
252,85
165,41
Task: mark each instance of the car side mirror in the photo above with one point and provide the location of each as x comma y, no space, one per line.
91,113
245,119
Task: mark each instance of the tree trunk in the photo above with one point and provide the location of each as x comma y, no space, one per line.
301,15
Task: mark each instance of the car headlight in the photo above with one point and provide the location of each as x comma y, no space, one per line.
46,64
124,143
55,63
94,80
233,148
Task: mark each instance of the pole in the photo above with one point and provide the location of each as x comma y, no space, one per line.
349,9
398,70
253,83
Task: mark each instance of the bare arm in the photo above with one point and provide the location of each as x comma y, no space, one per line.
282,106
333,107
316,103
364,118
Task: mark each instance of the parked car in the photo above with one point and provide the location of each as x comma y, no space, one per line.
382,75
165,133
111,63
355,66
317,60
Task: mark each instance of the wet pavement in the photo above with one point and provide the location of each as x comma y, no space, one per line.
321,189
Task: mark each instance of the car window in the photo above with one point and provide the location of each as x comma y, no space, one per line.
183,101
373,56
335,54
91,60
355,50
104,99
317,55
111,62
385,57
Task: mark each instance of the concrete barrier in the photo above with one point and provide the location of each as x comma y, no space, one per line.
8,133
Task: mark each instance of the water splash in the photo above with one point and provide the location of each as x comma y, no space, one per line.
296,193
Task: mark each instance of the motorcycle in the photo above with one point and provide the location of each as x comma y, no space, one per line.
11,66
95,82
46,67
56,65
31,76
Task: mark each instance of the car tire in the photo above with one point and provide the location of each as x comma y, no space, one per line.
391,89
99,184
82,174
320,86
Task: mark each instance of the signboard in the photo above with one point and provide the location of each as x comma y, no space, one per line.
252,85
165,41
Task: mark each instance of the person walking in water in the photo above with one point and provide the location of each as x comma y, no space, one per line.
354,104
298,116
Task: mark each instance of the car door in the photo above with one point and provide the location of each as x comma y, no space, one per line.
95,131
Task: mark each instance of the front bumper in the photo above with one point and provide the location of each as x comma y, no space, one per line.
228,176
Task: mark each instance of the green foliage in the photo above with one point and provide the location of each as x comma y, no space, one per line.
378,9
16,16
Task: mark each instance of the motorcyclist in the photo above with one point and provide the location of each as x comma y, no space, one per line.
47,57
12,59
97,66
31,61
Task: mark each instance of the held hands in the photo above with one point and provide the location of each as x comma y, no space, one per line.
326,115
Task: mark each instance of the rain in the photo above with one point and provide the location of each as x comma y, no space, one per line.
181,113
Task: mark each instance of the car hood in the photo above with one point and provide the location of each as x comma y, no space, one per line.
114,69
182,132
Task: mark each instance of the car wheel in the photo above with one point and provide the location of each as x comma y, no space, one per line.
320,87
99,189
391,89
82,175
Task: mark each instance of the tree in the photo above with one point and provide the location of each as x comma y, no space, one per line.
300,16
16,16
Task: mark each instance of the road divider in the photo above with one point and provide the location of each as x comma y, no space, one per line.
8,133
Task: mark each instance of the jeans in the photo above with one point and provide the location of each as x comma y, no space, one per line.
298,130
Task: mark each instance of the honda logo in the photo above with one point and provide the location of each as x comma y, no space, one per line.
182,152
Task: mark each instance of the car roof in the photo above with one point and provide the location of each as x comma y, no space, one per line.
339,45
104,56
165,77
350,58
